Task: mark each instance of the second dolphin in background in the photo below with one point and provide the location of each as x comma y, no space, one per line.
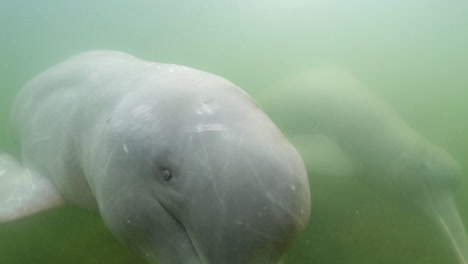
341,128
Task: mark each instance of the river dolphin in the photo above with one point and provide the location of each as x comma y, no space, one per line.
342,129
182,165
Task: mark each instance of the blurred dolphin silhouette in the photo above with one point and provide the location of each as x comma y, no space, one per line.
342,128
182,165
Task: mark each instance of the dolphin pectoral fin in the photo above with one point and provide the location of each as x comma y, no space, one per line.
450,223
322,155
23,191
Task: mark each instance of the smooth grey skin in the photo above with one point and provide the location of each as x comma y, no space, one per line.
342,129
181,164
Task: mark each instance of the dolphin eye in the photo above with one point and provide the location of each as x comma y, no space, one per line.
166,175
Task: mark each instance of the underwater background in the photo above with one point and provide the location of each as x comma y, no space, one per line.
412,54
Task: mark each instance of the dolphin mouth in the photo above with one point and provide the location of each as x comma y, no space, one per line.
187,235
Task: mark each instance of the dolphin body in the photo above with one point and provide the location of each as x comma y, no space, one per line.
182,165
342,129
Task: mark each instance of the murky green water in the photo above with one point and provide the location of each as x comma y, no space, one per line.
413,54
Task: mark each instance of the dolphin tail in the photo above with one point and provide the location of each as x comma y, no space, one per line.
23,191
448,219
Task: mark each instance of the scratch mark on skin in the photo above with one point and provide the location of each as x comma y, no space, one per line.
143,112
270,197
268,194
210,172
207,108
108,160
287,210
275,154
210,127
257,177
28,180
16,198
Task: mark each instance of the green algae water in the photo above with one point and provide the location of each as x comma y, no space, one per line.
412,54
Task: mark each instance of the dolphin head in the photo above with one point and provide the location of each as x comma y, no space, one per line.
200,175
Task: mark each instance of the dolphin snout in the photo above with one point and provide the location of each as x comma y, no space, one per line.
250,209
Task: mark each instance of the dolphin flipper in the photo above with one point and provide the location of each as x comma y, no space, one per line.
322,155
449,220
24,191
